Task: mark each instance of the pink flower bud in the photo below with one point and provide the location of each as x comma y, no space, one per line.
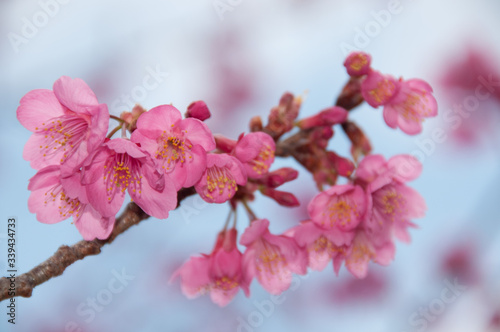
327,117
358,63
256,124
360,143
131,118
343,166
281,197
198,110
350,96
282,117
279,177
224,144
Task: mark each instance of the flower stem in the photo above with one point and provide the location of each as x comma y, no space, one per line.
114,117
228,219
114,131
251,215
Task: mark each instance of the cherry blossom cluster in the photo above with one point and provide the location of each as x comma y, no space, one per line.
406,102
85,173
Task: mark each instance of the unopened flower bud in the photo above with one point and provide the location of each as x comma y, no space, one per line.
350,96
327,117
224,144
360,143
198,110
256,124
130,118
281,197
343,166
282,117
280,176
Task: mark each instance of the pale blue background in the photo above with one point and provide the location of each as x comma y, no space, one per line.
270,47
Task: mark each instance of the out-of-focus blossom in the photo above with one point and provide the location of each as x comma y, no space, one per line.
322,245
271,258
410,106
221,273
390,203
358,63
341,206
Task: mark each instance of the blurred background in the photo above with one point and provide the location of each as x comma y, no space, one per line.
239,56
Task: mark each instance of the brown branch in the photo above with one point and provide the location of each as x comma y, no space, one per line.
65,255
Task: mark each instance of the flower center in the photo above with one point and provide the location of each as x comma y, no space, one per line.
172,149
62,134
414,108
225,283
359,61
322,244
270,259
341,212
218,180
390,202
261,163
120,173
361,252
67,206
383,91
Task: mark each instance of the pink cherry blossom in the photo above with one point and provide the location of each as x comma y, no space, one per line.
322,245
219,273
271,258
378,89
389,200
377,247
54,199
256,152
67,124
221,178
177,145
410,106
358,63
120,165
341,206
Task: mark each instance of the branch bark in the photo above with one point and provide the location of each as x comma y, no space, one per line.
65,255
